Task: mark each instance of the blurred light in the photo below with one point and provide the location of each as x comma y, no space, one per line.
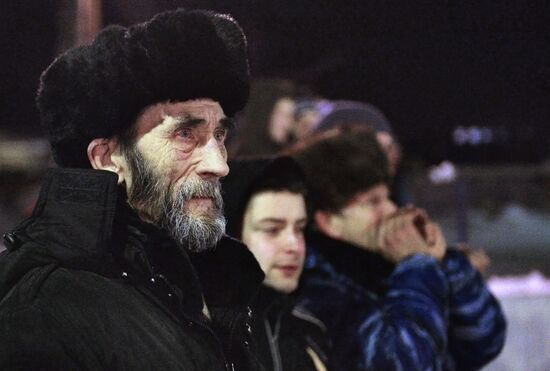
443,173
473,135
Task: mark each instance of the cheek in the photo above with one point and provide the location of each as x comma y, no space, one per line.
363,220
182,154
372,219
301,251
159,156
264,251
178,163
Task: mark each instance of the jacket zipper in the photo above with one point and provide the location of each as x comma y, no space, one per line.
274,347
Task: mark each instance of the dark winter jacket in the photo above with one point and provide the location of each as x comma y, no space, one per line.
86,285
418,315
288,335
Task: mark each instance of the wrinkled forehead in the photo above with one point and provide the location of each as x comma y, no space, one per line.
204,109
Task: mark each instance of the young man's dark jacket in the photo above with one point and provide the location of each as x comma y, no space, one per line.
416,315
86,285
288,337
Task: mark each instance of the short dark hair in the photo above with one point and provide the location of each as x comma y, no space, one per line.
250,176
339,163
279,176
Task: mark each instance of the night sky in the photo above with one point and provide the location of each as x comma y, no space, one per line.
431,66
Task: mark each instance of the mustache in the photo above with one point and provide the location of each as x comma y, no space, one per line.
201,232
201,188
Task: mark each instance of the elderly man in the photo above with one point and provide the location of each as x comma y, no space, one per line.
116,268
392,295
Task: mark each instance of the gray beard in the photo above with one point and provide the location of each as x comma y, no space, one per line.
196,233
166,206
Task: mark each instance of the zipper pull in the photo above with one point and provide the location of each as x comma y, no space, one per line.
10,241
230,366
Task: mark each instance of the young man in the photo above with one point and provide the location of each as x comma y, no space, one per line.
391,294
265,207
116,268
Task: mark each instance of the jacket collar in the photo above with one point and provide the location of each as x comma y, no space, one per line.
74,216
368,269
272,303
83,219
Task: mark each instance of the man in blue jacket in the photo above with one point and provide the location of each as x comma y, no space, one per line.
392,295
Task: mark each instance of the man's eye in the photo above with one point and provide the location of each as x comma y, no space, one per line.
369,202
271,231
186,134
372,203
220,135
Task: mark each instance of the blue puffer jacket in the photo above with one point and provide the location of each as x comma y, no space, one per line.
418,315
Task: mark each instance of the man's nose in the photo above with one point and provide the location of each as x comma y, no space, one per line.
294,242
389,207
213,162
386,209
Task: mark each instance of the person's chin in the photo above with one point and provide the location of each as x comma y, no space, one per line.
285,286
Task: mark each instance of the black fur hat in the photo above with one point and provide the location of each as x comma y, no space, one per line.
98,90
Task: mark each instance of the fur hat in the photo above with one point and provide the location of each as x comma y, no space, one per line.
98,90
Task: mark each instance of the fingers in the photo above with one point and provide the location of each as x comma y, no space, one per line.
478,259
434,234
420,220
409,231
401,236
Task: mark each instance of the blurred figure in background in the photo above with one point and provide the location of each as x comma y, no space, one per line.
265,208
306,116
266,123
392,295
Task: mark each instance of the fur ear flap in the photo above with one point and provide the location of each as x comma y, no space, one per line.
328,223
103,155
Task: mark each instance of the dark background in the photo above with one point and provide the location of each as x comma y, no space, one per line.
431,66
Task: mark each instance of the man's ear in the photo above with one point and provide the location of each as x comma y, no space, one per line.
103,155
329,223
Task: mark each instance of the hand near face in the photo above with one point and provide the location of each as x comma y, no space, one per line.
408,231
477,257
436,241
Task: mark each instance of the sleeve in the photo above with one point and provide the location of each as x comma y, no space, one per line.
477,326
406,329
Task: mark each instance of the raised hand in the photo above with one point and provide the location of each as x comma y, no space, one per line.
405,233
